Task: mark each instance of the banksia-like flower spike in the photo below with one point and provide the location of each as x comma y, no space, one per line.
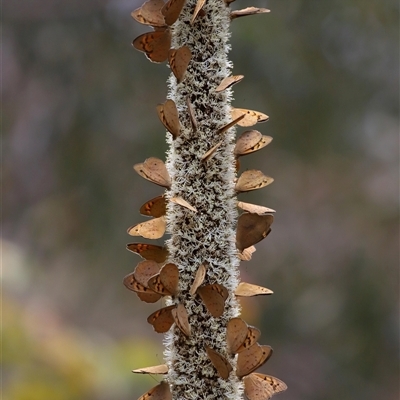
210,353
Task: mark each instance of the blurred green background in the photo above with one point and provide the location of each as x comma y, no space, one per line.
79,111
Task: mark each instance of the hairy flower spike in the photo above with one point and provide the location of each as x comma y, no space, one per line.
200,280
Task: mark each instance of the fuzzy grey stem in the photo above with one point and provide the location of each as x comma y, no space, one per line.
208,235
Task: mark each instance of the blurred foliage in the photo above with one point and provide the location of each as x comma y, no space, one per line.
79,111
44,357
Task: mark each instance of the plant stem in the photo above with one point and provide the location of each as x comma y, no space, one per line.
207,236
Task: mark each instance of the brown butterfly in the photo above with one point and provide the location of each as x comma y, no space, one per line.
166,281
179,60
247,140
228,82
251,229
168,114
183,203
254,209
153,229
149,251
150,13
172,10
250,141
199,6
245,289
213,297
240,336
233,123
144,271
181,319
156,370
252,358
262,387
198,279
155,44
154,170
248,11
162,319
252,180
246,254
251,117
220,363
154,208
236,332
159,392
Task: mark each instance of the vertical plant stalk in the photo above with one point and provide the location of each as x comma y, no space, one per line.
207,236
200,207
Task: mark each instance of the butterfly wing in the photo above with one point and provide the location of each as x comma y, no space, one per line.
162,319
149,251
251,229
220,363
159,392
252,358
262,387
213,297
155,44
179,60
236,332
154,208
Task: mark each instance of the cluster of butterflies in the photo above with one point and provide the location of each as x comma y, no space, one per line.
157,43
150,282
254,223
241,340
154,277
